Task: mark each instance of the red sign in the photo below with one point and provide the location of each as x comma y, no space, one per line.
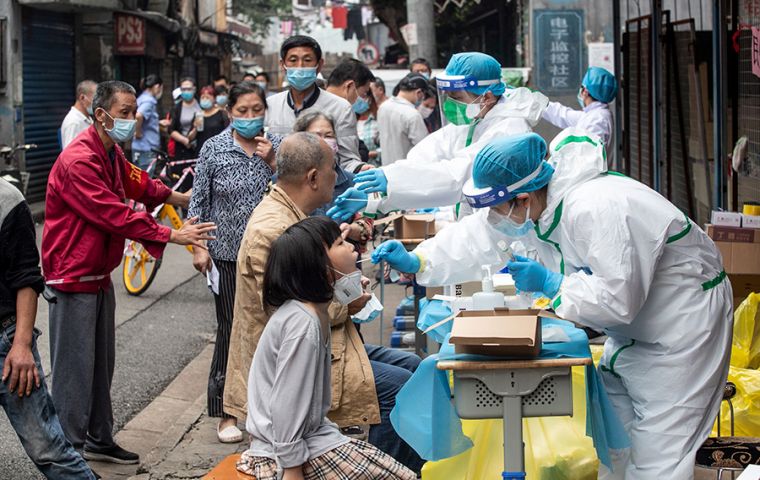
129,35
756,51
368,53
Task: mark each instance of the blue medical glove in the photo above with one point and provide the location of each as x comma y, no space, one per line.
397,257
531,276
370,181
347,204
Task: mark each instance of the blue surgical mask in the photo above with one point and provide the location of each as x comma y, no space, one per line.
206,104
221,100
123,130
301,78
580,99
426,75
509,227
187,96
263,85
89,109
248,127
360,105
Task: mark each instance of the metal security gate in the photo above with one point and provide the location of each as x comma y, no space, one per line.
48,73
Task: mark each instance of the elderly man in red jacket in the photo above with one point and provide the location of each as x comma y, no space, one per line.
86,224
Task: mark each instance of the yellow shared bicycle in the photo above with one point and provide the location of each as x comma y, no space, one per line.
139,268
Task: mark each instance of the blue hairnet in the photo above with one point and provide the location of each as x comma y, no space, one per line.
601,84
480,66
508,160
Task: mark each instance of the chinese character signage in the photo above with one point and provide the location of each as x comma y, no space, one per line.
756,51
558,42
129,35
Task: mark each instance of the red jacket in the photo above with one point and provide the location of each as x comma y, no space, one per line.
86,219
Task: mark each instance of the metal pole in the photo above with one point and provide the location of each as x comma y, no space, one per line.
617,157
719,100
421,13
655,28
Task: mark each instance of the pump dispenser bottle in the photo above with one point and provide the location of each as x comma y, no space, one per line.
487,299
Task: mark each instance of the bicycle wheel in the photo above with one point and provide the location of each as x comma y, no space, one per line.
139,268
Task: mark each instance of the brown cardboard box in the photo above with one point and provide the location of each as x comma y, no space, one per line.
414,227
743,285
500,332
740,258
733,234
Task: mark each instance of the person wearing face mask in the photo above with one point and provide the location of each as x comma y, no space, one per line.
185,122
421,67
365,378
301,59
79,117
215,118
221,96
147,134
476,107
598,89
429,108
369,135
400,124
233,171
87,222
614,256
262,80
289,385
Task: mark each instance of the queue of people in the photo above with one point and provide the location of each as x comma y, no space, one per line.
284,183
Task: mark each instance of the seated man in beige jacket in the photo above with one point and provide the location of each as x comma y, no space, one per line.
365,378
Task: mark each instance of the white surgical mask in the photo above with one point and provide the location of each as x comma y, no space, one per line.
370,311
425,111
348,287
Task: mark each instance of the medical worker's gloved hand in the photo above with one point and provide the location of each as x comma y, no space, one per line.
531,276
371,181
397,257
347,205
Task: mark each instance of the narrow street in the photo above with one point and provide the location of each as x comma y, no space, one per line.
157,335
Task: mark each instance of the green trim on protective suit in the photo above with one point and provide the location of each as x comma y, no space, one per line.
682,233
467,143
611,368
714,282
575,139
557,302
545,236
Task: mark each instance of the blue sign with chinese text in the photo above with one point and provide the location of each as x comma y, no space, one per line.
558,47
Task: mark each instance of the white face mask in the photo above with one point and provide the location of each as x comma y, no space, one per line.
348,287
370,311
425,111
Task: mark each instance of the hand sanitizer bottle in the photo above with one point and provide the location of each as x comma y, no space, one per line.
487,299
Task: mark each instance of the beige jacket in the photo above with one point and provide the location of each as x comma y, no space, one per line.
354,399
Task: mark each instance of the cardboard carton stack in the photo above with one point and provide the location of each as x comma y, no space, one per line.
737,237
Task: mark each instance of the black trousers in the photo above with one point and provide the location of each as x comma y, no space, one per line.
225,304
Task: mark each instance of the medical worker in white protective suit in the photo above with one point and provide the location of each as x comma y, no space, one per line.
476,108
598,88
617,257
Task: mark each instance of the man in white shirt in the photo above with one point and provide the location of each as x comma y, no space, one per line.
79,117
401,125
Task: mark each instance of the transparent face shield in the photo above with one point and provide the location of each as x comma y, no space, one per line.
458,105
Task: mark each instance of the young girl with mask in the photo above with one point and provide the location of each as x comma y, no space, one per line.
289,386
360,228
232,174
215,119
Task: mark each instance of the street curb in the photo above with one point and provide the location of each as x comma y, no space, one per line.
184,388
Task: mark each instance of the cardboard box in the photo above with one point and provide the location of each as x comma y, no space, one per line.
743,285
726,219
733,234
740,258
459,290
750,221
500,332
414,227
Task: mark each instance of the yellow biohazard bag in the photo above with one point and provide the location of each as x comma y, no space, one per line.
745,349
556,448
745,359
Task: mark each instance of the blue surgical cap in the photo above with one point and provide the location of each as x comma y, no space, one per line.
480,66
508,160
601,84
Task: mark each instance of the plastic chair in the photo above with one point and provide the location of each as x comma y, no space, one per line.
728,454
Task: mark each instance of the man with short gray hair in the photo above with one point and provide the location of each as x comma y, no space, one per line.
86,224
80,115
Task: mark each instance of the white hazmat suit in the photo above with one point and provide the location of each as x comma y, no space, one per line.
637,268
595,118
